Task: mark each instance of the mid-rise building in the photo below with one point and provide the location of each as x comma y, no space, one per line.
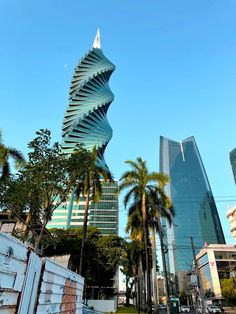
216,262
86,123
193,201
231,215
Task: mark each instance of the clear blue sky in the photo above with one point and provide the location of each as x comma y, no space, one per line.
175,76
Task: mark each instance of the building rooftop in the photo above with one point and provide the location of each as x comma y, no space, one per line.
216,247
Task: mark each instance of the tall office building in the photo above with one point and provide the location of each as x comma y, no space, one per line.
190,192
232,157
85,122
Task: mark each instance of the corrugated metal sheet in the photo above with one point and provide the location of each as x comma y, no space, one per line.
13,263
61,290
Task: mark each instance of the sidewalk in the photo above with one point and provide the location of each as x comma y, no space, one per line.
230,310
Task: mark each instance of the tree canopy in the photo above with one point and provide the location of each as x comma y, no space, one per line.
228,289
102,255
42,184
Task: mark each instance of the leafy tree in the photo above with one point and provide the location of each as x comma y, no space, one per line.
41,186
228,289
110,250
138,181
102,255
134,252
7,153
14,199
89,184
47,174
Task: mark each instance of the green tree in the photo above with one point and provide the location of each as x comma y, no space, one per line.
14,200
102,255
138,181
47,175
134,252
89,184
6,154
110,250
41,186
228,290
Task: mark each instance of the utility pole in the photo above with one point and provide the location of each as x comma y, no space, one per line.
164,267
199,283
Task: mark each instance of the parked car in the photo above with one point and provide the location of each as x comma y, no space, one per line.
199,310
213,309
184,309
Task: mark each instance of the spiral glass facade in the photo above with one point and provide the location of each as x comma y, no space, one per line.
85,122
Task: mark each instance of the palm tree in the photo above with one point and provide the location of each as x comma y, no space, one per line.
7,153
158,205
130,264
134,227
89,185
138,181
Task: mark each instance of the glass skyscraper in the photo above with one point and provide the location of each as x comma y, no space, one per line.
190,192
85,122
232,157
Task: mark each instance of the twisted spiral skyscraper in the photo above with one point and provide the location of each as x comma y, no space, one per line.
90,96
85,122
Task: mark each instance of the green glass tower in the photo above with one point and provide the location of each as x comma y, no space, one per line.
193,201
85,122
232,157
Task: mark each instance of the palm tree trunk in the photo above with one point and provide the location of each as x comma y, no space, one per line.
164,267
127,293
139,288
154,269
84,232
146,233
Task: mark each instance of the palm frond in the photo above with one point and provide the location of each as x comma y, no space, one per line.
1,140
16,154
129,195
134,165
135,208
125,185
130,176
160,178
5,171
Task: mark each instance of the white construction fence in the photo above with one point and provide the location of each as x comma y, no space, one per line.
30,284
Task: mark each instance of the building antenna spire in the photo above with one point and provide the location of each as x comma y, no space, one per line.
97,43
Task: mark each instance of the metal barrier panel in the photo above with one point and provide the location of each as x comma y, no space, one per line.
31,283
61,290
13,263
